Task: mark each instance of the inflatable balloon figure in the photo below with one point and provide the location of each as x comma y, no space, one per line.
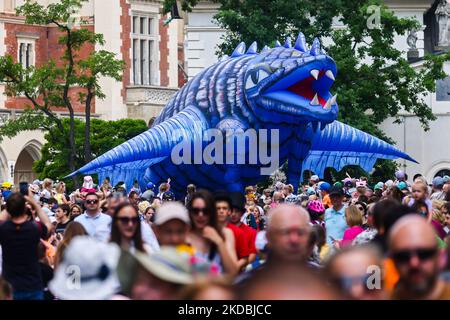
283,90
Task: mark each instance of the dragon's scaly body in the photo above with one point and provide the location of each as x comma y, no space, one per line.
284,88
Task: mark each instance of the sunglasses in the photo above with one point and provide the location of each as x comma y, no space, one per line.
91,201
127,220
404,256
346,283
196,211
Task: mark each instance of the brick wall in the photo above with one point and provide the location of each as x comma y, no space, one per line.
163,53
125,22
46,47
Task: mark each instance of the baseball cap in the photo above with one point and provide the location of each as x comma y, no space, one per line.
311,191
338,184
170,211
438,181
379,186
150,185
402,185
389,183
335,190
446,178
315,178
324,186
400,175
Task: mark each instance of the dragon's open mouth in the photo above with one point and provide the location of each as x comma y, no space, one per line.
300,90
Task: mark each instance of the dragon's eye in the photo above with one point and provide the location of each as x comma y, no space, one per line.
255,77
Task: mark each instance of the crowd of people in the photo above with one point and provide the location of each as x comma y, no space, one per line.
341,240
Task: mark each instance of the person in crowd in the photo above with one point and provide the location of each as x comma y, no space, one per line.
369,233
208,241
286,281
19,238
133,198
60,194
357,272
6,190
335,222
208,289
237,211
46,271
63,217
446,212
163,188
316,212
95,262
74,229
354,221
149,215
96,223
172,225
149,193
396,194
277,198
413,248
158,276
288,191
75,211
223,207
190,190
437,192
419,193
324,189
126,228
47,191
265,196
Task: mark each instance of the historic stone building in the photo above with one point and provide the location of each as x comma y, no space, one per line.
133,30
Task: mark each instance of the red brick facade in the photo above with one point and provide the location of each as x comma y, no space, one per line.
125,21
163,53
46,48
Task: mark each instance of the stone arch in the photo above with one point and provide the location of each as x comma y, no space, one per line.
435,168
23,170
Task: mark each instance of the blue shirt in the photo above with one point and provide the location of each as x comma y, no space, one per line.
335,224
98,226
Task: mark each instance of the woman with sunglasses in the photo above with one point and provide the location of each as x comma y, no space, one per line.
126,228
205,237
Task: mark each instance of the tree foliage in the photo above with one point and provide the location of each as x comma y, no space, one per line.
104,136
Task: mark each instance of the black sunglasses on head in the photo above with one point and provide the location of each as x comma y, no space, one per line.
404,256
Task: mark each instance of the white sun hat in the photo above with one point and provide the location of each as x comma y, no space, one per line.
87,271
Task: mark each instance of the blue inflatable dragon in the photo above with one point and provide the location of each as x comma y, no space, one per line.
286,88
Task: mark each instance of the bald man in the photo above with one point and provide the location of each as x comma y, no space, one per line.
288,233
414,249
288,238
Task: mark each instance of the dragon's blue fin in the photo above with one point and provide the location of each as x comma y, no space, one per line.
339,145
129,160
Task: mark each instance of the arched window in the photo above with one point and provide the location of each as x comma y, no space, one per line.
443,172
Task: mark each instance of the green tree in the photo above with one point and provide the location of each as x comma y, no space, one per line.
374,80
104,136
47,86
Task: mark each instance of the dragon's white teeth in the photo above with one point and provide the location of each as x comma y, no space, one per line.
330,75
315,101
334,99
330,102
315,73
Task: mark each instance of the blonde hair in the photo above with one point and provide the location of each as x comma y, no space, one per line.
422,185
60,186
353,216
163,187
47,183
437,211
